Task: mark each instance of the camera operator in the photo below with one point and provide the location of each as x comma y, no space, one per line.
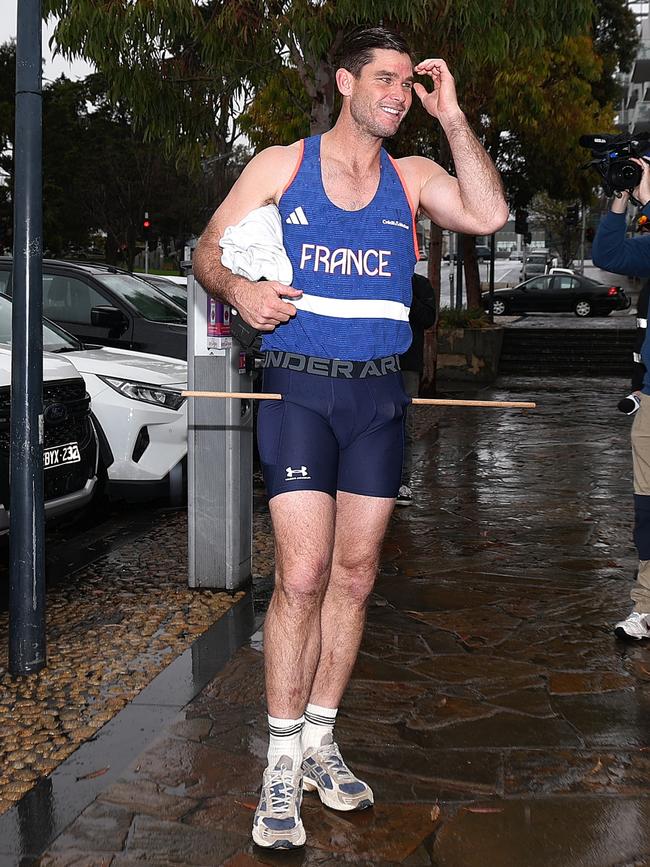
612,251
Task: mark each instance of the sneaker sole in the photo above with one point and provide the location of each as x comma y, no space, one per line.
619,632
334,801
277,841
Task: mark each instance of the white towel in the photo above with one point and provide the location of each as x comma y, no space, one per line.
254,248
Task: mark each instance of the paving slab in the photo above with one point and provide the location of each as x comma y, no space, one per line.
492,710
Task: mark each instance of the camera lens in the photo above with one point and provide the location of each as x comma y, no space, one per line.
625,175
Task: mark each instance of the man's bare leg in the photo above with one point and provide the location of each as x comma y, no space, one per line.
360,527
303,525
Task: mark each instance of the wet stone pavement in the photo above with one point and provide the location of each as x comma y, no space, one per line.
491,709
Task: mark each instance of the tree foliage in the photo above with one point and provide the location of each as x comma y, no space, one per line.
181,64
98,175
532,76
549,214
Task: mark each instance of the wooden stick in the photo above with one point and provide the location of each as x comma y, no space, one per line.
515,404
426,401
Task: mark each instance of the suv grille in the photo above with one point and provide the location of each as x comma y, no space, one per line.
69,422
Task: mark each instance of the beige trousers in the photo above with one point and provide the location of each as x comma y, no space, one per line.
641,463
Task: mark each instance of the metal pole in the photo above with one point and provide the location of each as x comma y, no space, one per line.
27,515
491,287
146,246
582,239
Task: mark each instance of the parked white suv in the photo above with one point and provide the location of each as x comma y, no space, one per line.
139,412
70,442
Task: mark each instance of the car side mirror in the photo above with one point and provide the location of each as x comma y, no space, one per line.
108,317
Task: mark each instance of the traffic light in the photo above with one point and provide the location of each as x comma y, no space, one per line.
146,226
572,216
521,222
590,233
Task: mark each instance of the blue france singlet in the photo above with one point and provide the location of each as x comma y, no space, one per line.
354,267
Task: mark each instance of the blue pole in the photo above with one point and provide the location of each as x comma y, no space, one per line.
27,516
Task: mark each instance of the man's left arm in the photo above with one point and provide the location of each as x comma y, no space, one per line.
473,202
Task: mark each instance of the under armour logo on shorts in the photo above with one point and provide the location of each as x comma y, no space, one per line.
298,473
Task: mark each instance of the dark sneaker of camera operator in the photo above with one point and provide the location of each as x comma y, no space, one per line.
613,251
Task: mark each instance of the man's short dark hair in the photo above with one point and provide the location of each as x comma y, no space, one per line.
358,46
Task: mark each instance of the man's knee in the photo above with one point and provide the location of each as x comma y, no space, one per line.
303,585
355,580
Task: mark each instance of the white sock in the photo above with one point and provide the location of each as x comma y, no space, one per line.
319,723
284,740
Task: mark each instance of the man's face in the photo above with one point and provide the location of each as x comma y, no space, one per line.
381,96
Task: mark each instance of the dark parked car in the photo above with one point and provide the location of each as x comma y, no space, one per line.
104,305
482,253
559,293
176,291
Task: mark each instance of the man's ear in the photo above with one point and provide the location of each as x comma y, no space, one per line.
344,80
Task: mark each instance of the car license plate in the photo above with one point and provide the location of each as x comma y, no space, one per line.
59,455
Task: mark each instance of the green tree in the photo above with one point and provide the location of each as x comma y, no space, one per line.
98,175
7,123
181,64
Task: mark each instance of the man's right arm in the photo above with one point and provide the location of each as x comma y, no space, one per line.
612,251
261,183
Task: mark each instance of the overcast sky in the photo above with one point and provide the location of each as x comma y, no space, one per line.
53,67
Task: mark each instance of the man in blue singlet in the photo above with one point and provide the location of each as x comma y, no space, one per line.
331,450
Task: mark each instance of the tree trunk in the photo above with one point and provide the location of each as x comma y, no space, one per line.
428,384
111,248
472,277
322,104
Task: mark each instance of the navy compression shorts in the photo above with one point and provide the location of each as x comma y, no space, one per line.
330,433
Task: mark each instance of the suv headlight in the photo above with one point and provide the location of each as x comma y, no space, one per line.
143,391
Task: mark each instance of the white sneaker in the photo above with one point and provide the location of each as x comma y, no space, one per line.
277,823
635,626
325,772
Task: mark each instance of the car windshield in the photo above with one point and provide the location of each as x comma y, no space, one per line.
147,300
536,259
178,294
55,339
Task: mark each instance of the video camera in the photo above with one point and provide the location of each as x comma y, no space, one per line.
612,159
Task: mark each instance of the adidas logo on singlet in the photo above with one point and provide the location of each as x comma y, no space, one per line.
297,217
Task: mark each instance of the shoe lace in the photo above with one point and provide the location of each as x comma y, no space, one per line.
281,789
331,756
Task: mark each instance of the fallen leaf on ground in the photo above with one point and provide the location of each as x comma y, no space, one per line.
93,774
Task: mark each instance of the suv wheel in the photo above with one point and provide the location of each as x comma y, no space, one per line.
582,307
499,307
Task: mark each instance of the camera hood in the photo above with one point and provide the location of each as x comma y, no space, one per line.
603,143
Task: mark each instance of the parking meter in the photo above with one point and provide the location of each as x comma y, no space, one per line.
220,450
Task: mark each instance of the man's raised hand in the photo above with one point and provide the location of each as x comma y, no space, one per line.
442,101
